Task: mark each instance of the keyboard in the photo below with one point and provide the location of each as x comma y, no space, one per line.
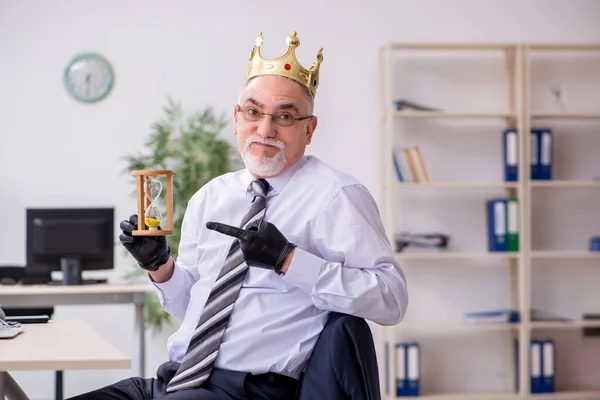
84,282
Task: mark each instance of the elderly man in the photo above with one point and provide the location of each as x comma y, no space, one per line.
266,253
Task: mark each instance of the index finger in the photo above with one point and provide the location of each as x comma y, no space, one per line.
229,230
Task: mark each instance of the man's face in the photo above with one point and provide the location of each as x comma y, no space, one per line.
269,147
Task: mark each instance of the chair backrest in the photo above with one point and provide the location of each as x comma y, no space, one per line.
11,273
343,364
14,274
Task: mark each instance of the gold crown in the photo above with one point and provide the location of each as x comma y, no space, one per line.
287,65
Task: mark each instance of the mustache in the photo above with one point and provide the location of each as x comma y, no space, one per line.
267,141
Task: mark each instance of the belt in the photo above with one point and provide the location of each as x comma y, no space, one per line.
275,379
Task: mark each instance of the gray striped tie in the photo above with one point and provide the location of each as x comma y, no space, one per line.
204,346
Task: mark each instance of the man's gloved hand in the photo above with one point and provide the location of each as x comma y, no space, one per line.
149,251
262,244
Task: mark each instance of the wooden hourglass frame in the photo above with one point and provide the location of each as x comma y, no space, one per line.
147,227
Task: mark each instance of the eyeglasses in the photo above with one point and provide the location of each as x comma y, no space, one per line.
282,118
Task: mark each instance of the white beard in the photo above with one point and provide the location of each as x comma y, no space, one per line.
263,166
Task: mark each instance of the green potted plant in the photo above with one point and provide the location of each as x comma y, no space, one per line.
190,146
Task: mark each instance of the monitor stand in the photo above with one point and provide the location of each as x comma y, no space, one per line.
71,270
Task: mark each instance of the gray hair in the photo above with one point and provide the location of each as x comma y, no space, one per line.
307,93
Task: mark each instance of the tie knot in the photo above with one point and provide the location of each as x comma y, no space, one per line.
260,187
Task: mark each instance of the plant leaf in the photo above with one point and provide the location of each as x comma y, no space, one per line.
190,146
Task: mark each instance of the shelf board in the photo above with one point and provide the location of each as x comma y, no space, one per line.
564,324
442,114
542,115
568,395
458,325
549,184
564,254
455,255
459,185
470,396
564,47
495,326
557,184
492,46
449,46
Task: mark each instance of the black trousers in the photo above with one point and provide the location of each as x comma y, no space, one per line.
222,384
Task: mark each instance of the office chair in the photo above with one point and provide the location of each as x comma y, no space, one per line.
13,275
343,364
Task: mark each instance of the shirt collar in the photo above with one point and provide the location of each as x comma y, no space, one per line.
277,183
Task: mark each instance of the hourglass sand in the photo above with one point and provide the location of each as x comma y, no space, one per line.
149,191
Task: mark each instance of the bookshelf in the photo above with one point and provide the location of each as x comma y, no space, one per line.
516,109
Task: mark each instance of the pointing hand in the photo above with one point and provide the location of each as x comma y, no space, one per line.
262,244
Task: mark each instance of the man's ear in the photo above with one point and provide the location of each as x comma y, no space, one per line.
310,129
235,119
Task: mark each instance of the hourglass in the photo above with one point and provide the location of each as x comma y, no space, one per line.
150,192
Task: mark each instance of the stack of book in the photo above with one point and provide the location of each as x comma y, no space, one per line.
409,166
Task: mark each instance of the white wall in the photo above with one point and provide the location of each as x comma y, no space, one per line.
57,152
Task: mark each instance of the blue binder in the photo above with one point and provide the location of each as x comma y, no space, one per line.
541,153
548,366
496,224
496,316
386,351
534,154
535,366
595,243
546,153
510,152
408,369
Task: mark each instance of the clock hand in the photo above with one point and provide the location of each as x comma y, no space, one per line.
87,83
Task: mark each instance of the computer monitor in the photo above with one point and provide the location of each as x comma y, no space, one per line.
70,240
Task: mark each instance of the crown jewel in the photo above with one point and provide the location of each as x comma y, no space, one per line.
287,65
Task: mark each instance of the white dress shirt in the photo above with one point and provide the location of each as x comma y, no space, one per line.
343,262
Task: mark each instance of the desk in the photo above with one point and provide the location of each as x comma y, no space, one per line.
74,345
51,295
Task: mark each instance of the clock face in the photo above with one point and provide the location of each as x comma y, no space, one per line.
89,77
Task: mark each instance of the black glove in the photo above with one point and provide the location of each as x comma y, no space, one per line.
262,244
149,251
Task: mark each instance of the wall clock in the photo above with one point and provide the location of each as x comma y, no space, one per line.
89,77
